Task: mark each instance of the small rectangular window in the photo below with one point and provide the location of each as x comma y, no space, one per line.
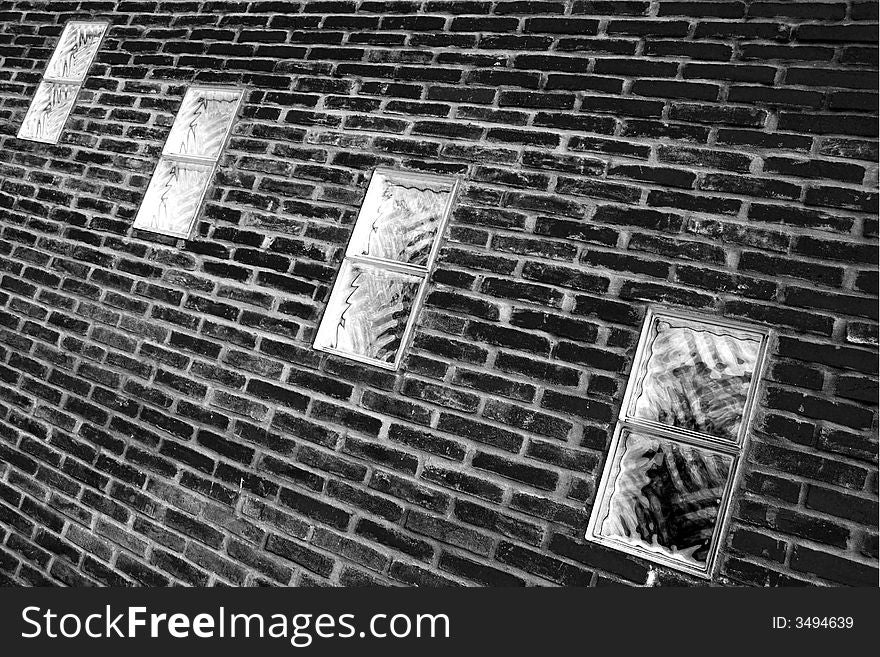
188,161
380,287
64,76
680,437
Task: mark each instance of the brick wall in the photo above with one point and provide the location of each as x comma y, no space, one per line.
164,419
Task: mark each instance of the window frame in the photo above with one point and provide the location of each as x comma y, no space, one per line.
66,81
424,272
627,422
213,164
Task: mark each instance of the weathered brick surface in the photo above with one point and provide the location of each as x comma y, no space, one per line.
163,418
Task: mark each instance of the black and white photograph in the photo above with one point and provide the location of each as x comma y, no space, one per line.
562,298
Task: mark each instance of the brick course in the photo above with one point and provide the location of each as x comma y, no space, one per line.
164,419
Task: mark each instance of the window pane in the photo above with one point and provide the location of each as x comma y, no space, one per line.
400,218
202,123
74,53
368,312
664,496
48,112
695,376
173,197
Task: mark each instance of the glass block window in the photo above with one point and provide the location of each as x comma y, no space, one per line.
56,95
381,284
188,161
680,437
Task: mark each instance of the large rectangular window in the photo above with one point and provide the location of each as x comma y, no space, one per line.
380,287
62,80
188,161
680,437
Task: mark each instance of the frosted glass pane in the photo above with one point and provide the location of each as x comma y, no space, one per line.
173,198
48,112
664,497
400,217
696,376
368,312
202,123
75,50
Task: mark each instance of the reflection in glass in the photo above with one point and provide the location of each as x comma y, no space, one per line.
664,496
74,53
368,312
57,93
696,377
399,219
48,112
202,123
173,197
188,159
